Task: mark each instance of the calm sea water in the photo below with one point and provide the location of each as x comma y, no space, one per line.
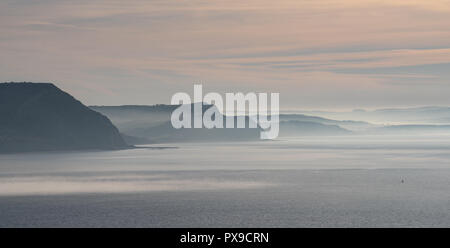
359,181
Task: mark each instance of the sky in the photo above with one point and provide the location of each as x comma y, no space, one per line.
318,54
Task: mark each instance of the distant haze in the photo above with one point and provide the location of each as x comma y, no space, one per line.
316,54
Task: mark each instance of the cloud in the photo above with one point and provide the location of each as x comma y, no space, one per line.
141,52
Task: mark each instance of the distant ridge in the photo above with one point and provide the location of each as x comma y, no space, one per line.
41,117
142,108
152,123
157,107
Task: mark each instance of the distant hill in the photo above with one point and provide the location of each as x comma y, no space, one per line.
131,117
430,114
394,116
41,117
309,128
412,129
152,123
345,124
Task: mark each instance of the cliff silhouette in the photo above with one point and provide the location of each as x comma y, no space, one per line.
41,117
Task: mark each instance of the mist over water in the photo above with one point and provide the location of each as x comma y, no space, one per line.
297,182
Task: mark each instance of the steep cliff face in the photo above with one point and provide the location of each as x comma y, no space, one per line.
41,117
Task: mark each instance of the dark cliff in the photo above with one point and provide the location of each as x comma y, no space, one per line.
41,117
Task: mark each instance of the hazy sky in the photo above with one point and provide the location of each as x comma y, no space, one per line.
316,53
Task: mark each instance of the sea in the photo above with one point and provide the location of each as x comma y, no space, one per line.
336,181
